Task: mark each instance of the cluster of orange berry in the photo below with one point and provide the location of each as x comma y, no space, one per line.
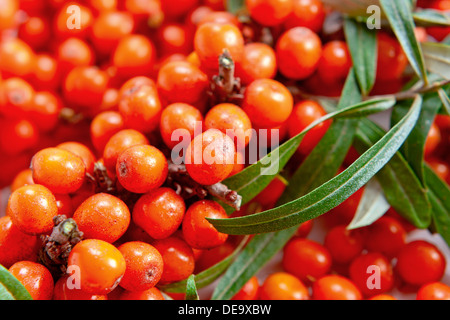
92,93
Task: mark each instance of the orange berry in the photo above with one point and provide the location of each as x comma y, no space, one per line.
103,127
283,286
433,291
64,292
258,62
82,151
150,294
269,12
250,290
36,278
335,287
306,13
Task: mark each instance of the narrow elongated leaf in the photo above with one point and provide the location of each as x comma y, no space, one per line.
439,194
362,43
325,159
207,276
445,99
372,206
191,289
430,18
11,288
414,147
330,194
400,184
437,58
400,18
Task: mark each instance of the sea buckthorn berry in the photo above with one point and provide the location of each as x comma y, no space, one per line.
344,245
344,213
35,31
179,116
59,170
23,178
103,126
84,87
36,278
304,114
335,62
386,235
420,262
46,73
118,143
250,290
144,266
173,38
178,257
135,55
63,18
226,37
204,259
133,84
298,53
141,168
141,109
382,296
103,216
198,232
16,97
372,273
433,291
82,151
88,257
258,62
210,157
175,8
159,212
65,205
335,287
16,58
16,245
108,28
392,60
231,120
74,52
181,81
64,292
46,110
150,294
268,103
8,14
306,259
270,195
440,167
283,286
269,12
433,140
32,209
219,17
306,13
17,136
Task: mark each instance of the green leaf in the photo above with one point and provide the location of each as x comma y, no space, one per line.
445,99
325,160
352,8
207,276
400,184
11,288
437,58
234,6
430,18
414,147
191,289
400,18
439,194
372,206
362,44
330,194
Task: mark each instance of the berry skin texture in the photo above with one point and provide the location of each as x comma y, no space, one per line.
180,116
250,290
344,245
269,12
335,62
433,291
144,266
306,259
159,212
36,278
226,37
298,53
141,168
82,151
386,235
103,127
306,13
178,257
258,62
59,170
102,216
335,287
227,116
197,231
268,103
90,256
118,143
283,286
392,61
210,157
63,292
364,278
420,262
15,245
32,209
